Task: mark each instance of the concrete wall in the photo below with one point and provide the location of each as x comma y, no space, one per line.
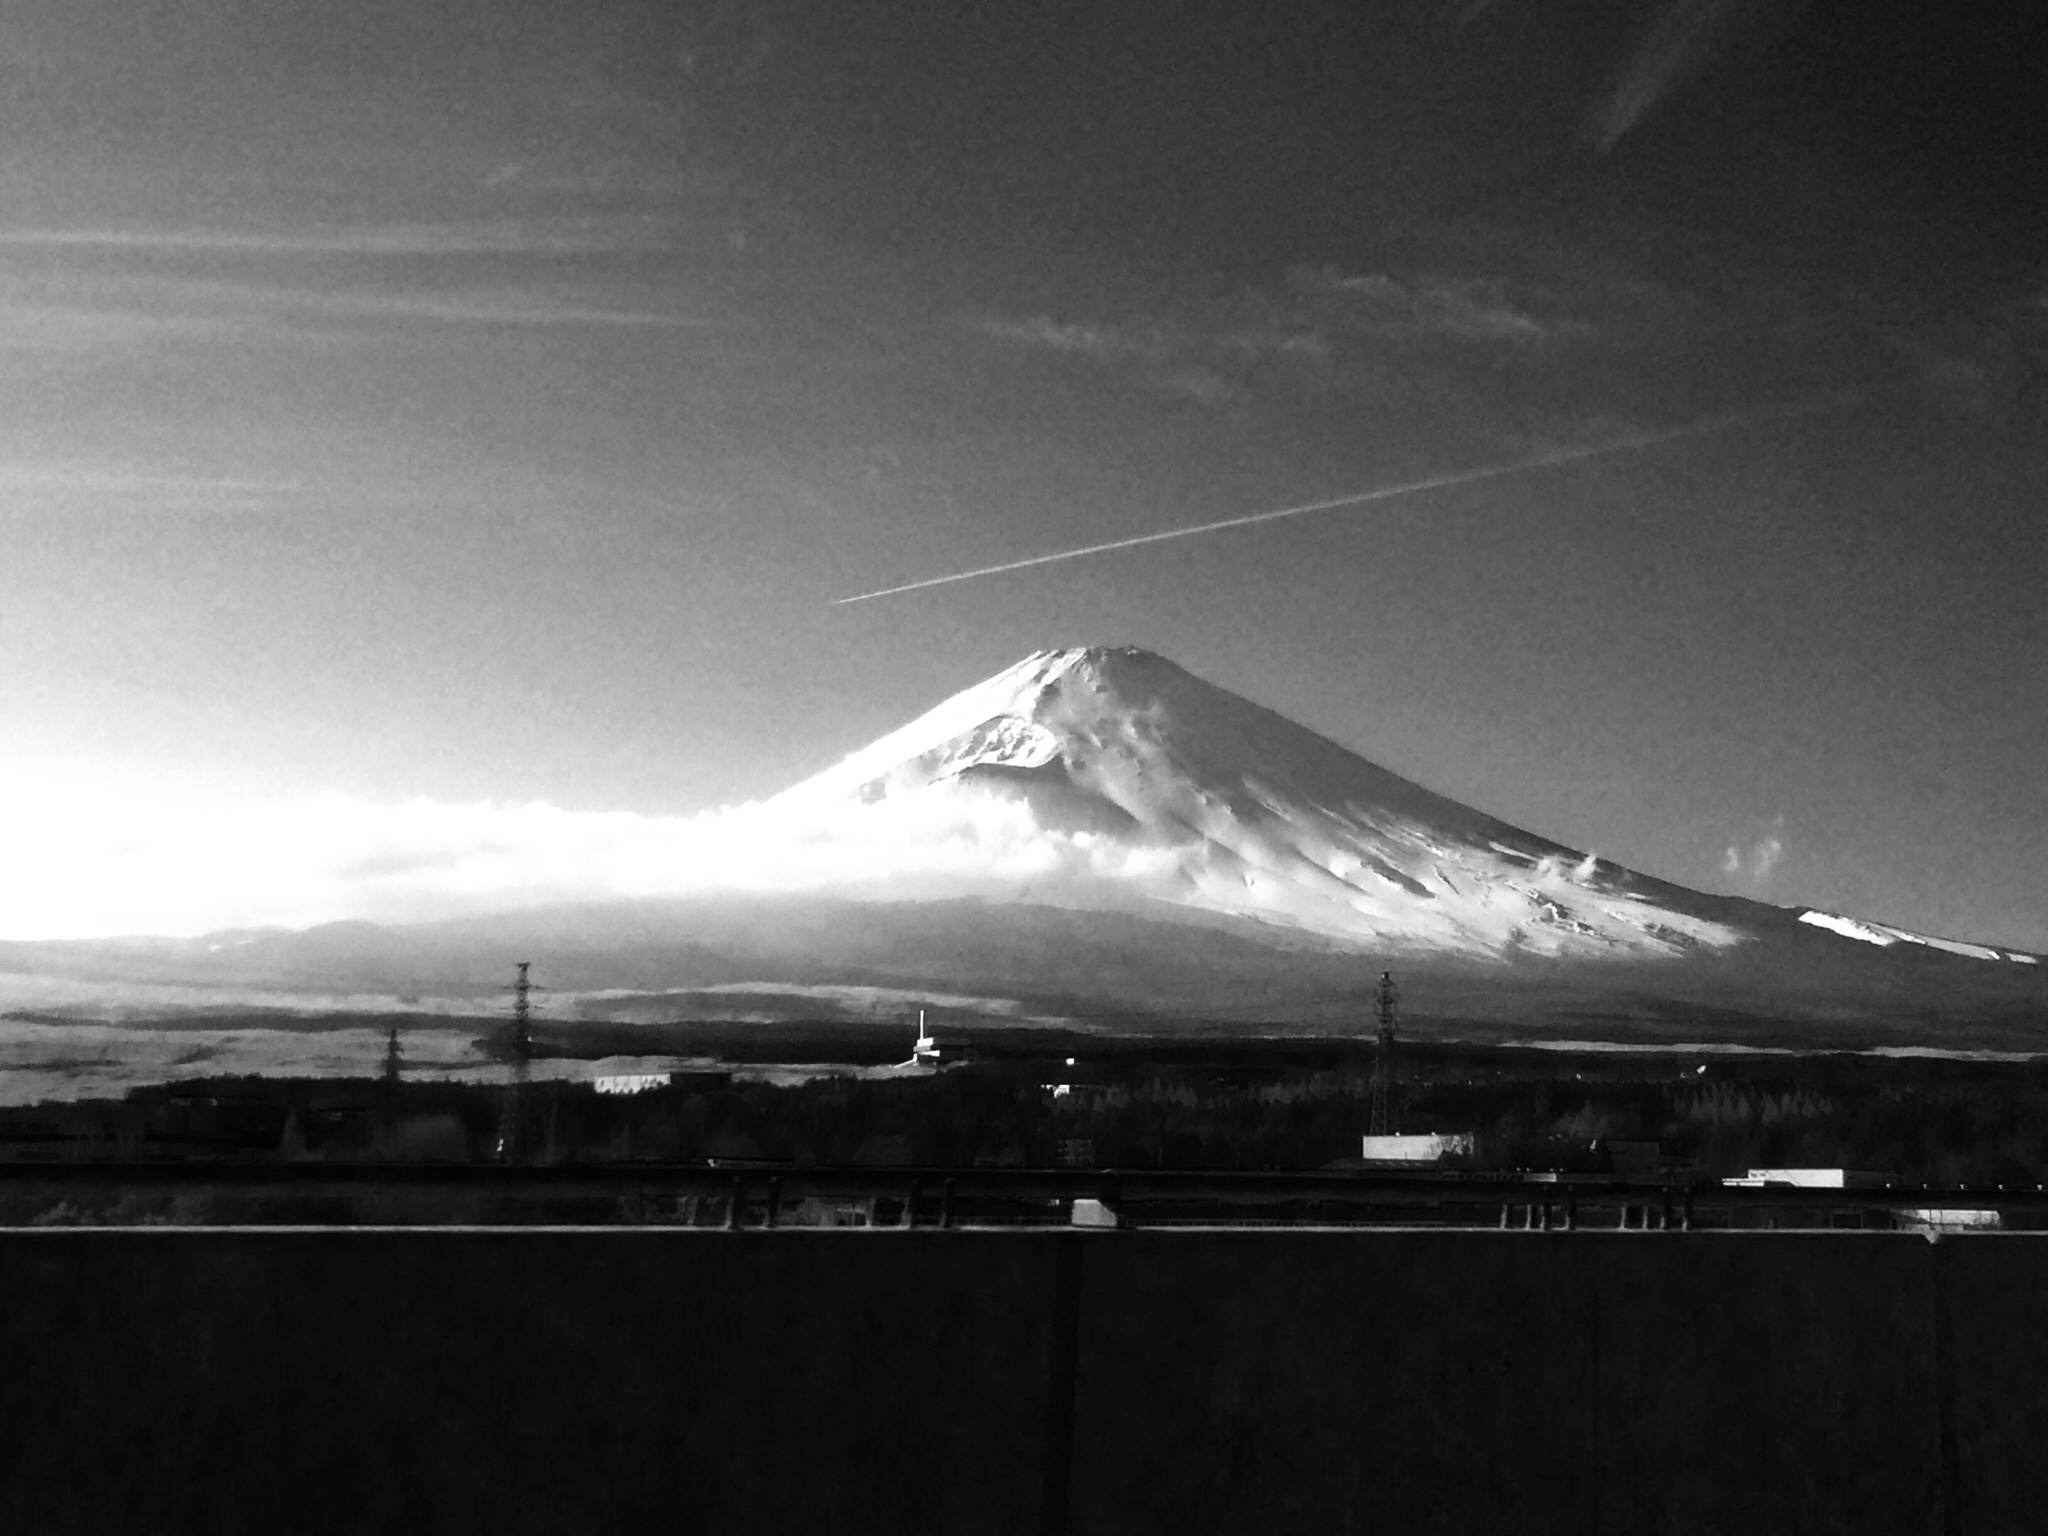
1152,1381
1511,1382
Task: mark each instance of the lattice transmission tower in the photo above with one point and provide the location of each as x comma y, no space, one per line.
1383,1059
519,1047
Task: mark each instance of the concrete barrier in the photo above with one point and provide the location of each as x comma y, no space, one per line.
526,1381
1993,1299
1110,1381
1471,1381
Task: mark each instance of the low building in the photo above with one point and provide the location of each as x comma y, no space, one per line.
1416,1151
629,1082
1810,1178
1087,1212
1951,1219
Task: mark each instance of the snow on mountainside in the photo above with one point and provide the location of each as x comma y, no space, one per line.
1884,935
1236,810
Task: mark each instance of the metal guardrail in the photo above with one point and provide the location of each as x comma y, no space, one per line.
758,1196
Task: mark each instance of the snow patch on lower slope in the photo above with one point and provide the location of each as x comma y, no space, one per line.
1884,935
1850,928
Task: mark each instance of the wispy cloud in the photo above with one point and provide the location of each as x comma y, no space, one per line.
1471,309
117,309
1407,326
1677,44
504,307
57,483
59,330
1528,340
1064,336
469,238
1173,358
1756,861
1974,362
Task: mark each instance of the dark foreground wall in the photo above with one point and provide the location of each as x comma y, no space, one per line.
627,1380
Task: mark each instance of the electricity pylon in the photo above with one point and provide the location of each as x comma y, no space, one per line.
1383,1061
519,1046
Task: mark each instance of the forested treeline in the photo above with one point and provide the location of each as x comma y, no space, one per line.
1922,1122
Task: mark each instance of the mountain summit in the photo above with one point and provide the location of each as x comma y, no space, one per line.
1221,806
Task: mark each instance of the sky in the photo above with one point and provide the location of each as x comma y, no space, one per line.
462,414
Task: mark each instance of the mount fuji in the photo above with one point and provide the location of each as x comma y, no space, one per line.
1193,798
1098,837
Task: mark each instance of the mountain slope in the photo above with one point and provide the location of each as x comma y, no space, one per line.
1226,807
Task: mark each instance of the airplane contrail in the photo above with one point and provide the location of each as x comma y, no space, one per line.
1724,423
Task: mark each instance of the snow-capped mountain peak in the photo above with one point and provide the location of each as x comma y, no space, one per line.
1246,813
